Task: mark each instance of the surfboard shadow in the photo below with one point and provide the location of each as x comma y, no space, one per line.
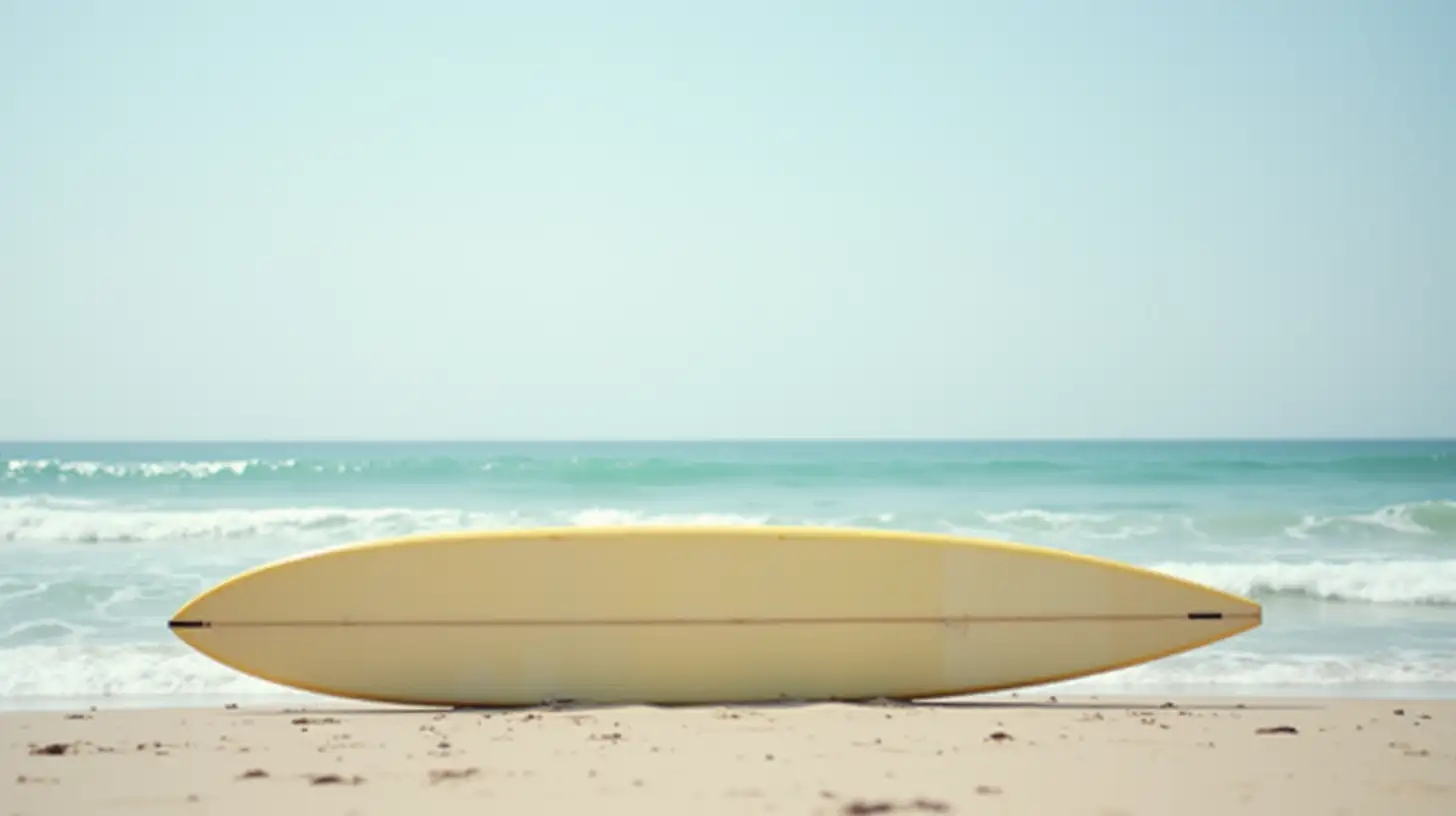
1076,704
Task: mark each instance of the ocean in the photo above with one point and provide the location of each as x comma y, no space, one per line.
1350,546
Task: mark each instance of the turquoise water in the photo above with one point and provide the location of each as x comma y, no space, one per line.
1351,546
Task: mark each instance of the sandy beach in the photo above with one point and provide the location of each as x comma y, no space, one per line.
998,754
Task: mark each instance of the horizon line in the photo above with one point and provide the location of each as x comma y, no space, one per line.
704,439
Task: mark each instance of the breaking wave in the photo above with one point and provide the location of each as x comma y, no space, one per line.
923,465
37,519
1377,582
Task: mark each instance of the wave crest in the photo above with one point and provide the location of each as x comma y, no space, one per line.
704,465
38,518
1424,519
1378,582
35,521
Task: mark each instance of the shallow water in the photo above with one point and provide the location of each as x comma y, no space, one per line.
1350,546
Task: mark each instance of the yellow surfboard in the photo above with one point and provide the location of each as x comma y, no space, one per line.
694,615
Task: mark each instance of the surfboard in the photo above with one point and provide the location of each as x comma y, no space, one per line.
664,615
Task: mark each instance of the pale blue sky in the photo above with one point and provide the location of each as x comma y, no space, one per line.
629,219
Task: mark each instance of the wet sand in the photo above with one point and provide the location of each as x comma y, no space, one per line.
998,754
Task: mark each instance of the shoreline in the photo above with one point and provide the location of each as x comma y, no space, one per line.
1035,752
290,698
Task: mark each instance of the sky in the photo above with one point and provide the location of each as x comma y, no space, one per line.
426,220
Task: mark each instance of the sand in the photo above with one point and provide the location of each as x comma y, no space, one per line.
1001,754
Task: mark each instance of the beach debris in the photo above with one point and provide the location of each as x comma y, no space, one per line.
987,790
314,721
78,716
1169,704
253,773
615,736
1277,729
1399,712
334,779
52,749
999,736
231,707
448,774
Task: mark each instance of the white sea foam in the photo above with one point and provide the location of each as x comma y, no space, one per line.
1060,524
26,520
50,518
171,669
22,522
22,468
1380,582
1417,518
605,516
96,670
1391,668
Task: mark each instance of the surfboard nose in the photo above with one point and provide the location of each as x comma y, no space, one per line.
1227,614
192,615
176,624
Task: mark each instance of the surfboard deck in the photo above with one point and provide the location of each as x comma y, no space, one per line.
694,615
